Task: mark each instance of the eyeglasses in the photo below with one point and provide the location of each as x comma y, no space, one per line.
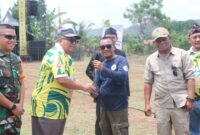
174,70
159,40
103,47
9,37
71,39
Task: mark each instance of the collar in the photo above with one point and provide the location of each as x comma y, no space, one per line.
171,52
112,58
191,51
2,54
58,46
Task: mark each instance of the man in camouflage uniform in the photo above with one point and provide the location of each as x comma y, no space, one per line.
11,83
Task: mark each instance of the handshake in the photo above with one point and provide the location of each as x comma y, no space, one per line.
91,89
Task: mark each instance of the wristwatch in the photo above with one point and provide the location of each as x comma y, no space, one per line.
190,99
13,107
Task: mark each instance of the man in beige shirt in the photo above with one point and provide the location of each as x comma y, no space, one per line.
169,72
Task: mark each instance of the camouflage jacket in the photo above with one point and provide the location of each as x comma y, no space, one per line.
10,70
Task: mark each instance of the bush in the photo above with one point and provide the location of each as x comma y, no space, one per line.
180,40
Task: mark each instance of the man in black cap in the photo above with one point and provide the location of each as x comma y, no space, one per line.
90,71
52,96
194,52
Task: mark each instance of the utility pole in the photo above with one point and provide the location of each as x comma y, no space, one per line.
22,28
0,11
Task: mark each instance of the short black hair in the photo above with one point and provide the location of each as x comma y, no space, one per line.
110,30
6,26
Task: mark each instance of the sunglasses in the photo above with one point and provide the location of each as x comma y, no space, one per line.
103,47
9,37
174,70
161,39
72,39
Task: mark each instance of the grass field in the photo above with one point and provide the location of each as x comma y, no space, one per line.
81,119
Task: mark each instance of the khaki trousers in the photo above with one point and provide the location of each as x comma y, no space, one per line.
173,117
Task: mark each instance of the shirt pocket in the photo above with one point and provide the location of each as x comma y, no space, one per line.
4,72
177,70
156,70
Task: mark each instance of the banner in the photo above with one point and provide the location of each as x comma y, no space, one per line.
119,29
22,27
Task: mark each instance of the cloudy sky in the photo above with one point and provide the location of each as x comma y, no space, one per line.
98,10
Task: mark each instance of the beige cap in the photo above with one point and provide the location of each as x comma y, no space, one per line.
159,32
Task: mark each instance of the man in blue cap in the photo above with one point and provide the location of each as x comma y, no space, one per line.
52,95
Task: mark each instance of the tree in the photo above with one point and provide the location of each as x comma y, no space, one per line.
45,24
181,26
132,44
86,43
14,11
106,23
41,19
82,29
35,24
146,13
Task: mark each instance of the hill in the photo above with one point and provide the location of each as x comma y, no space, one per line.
134,29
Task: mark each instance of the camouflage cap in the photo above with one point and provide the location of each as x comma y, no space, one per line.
67,32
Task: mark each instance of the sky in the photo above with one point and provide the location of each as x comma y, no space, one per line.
95,11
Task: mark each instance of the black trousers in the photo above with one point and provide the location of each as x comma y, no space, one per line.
41,126
98,112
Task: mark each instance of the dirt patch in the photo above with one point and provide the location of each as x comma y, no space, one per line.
81,119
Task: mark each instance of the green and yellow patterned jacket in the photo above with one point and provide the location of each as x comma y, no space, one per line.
50,99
